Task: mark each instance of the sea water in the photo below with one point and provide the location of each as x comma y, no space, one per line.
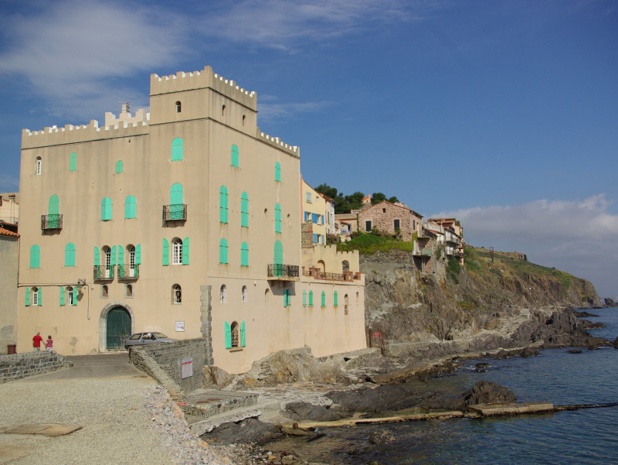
579,437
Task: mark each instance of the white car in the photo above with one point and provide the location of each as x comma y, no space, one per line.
149,337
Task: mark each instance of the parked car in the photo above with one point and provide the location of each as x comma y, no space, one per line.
149,337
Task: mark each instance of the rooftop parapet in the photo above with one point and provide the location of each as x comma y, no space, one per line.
275,141
182,81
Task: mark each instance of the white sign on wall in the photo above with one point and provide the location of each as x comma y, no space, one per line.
180,326
186,370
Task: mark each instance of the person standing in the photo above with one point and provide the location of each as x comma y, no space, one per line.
49,344
36,342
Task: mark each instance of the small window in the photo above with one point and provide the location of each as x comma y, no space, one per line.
129,290
177,251
244,255
368,225
308,197
176,294
106,209
104,291
223,202
345,266
311,298
223,294
396,224
235,334
323,299
244,210
178,106
119,168
384,210
73,161
71,296
36,297
277,218
278,172
39,166
223,252
35,256
243,296
130,207
335,299
244,119
223,110
178,147
234,156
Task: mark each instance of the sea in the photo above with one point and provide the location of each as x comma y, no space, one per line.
579,437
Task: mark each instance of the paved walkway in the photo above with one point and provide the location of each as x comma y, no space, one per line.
103,395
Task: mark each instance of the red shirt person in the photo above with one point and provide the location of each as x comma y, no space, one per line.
36,341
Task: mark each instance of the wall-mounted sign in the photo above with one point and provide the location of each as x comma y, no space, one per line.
180,326
186,368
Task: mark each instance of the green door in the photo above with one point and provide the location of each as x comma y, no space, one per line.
118,328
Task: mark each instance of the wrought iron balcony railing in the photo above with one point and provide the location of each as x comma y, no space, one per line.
103,273
283,272
176,212
53,221
128,272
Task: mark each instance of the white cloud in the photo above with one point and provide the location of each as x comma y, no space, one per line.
272,111
281,25
575,236
72,52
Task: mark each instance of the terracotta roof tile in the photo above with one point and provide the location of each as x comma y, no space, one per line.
6,232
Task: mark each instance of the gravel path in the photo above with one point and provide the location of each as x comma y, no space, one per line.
124,420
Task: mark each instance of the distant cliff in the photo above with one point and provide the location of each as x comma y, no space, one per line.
494,300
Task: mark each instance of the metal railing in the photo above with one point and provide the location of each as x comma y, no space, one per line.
127,272
53,221
102,273
281,271
177,212
319,274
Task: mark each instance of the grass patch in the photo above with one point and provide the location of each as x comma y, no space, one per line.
369,244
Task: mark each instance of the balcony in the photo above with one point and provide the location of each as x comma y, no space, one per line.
128,272
50,222
103,273
282,272
177,212
317,273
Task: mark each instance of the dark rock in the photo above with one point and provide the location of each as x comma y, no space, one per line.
486,392
615,343
246,431
481,367
381,437
575,351
303,411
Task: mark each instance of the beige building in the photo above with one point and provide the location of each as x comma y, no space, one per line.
185,220
314,211
9,208
9,251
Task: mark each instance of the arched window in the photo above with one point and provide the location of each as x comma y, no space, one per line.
178,147
106,209
177,251
311,298
53,205
346,303
223,251
104,290
277,171
244,210
178,106
223,210
235,334
130,207
132,261
244,295
277,218
71,296
39,166
345,265
107,253
244,254
176,294
119,168
35,256
323,299
235,160
37,297
223,294
73,161
129,290
69,254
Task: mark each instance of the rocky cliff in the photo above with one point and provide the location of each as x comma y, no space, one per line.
494,300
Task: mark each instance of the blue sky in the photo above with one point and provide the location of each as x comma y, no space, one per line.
502,113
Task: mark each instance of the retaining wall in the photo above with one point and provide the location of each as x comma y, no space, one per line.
18,366
179,365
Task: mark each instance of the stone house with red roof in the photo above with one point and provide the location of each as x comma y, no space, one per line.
390,218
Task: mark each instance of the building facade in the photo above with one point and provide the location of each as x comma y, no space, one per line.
390,218
9,251
185,220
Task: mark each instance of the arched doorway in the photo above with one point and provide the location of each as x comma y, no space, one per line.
118,328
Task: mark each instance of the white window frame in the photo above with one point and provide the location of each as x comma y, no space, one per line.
223,294
35,296
177,251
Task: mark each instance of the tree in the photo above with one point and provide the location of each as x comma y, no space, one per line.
355,200
327,190
377,197
393,199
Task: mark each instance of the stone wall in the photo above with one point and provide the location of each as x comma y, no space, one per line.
178,366
9,251
18,366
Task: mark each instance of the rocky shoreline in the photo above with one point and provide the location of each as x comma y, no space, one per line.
328,390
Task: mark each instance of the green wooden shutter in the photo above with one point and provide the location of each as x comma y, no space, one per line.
69,254
335,299
244,254
121,273
138,254
286,298
311,298
304,298
185,251
73,162
177,149
106,209
62,292
278,218
40,296
243,340
54,205
277,172
223,208
35,256
244,210
97,256
235,155
130,207
74,297
166,252
119,167
27,302
223,251
113,256
228,335
323,299
278,258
